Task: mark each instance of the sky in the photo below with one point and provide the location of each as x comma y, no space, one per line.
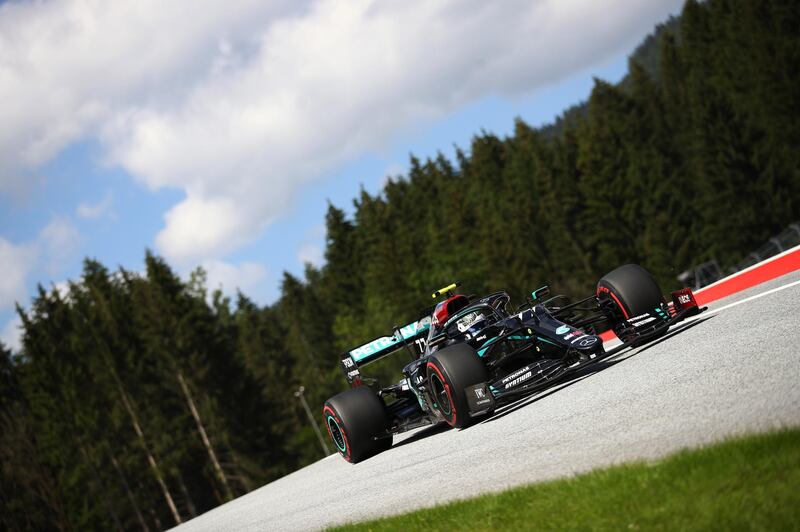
216,133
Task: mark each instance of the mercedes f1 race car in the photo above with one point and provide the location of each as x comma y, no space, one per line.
471,355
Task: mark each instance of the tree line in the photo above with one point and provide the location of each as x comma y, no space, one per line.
141,400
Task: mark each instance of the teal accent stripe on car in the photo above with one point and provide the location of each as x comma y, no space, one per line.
386,344
485,346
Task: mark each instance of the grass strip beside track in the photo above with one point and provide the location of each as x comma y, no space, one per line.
750,483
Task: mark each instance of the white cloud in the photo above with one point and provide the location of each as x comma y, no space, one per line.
17,261
310,253
54,246
317,231
239,104
311,250
11,334
392,172
247,277
198,226
72,66
58,242
93,211
60,287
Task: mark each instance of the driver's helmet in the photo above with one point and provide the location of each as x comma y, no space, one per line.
475,321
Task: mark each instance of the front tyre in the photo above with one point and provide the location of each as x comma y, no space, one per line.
357,423
632,289
450,371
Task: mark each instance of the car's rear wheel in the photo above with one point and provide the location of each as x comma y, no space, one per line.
450,371
357,423
632,289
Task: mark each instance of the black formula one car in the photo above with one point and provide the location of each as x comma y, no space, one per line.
470,355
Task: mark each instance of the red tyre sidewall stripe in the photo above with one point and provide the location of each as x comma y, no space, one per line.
617,301
329,410
449,393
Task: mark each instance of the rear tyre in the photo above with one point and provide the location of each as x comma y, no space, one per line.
632,289
354,419
451,370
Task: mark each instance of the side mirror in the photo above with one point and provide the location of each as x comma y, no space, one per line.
540,292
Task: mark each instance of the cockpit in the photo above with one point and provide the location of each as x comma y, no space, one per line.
449,307
465,325
459,318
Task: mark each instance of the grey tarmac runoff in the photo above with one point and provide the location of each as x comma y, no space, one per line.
730,371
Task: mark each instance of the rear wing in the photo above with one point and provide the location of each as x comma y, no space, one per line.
411,336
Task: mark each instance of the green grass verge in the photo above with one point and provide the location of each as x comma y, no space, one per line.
751,483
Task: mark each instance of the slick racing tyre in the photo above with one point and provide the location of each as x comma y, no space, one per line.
357,423
451,370
632,289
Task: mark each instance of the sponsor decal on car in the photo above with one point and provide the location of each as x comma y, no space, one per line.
479,397
586,342
564,329
385,342
642,319
515,374
683,299
373,347
519,379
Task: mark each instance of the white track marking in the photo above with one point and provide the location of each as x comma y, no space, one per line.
745,300
749,268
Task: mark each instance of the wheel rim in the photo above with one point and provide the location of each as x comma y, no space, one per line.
336,435
441,395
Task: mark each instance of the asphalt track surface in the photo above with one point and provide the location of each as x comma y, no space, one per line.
732,370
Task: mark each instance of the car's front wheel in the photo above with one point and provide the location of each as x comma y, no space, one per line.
450,371
357,423
632,288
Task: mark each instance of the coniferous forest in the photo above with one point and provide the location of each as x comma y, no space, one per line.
141,399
